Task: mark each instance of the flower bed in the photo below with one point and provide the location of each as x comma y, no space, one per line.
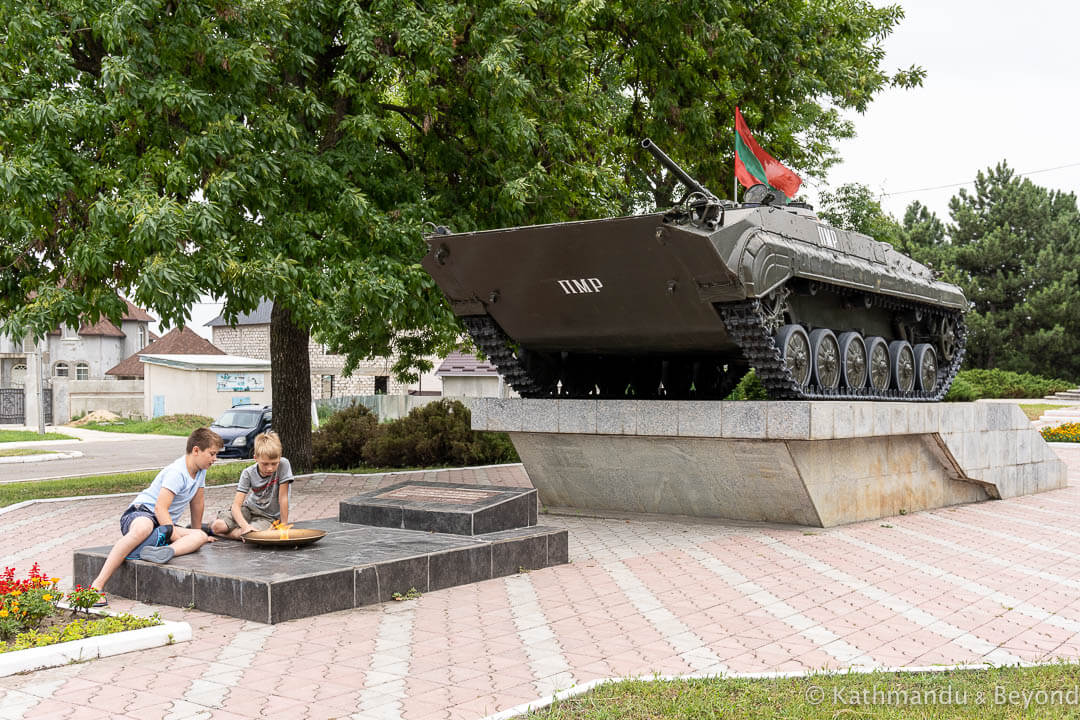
1066,432
31,616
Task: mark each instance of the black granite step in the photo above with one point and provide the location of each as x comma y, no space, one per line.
443,507
352,566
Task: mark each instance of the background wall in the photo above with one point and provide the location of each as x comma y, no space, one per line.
195,391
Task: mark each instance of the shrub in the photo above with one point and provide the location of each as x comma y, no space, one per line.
324,413
997,383
493,448
340,442
438,433
961,391
749,388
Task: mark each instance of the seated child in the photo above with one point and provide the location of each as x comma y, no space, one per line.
262,494
151,524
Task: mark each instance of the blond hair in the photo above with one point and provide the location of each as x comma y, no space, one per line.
268,445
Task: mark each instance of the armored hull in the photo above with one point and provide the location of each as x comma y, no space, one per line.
682,304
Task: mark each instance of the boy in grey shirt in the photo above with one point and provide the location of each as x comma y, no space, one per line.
262,494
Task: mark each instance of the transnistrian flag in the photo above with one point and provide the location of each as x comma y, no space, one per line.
753,165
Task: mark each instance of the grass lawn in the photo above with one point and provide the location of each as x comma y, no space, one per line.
165,425
13,452
1044,692
222,474
1035,410
26,435
16,492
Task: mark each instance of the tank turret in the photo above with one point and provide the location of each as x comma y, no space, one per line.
681,304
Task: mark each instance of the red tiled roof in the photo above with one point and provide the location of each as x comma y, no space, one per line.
106,328
465,363
134,312
181,341
101,327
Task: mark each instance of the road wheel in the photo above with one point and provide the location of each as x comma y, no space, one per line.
902,365
926,367
853,360
825,351
794,346
877,354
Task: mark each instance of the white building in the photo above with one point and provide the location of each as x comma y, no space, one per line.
203,384
85,353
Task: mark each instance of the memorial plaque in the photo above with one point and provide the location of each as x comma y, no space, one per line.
449,495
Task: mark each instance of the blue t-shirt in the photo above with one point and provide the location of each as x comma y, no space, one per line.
175,478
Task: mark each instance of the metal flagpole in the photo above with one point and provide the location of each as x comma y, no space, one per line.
735,178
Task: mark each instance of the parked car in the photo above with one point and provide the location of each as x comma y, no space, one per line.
238,427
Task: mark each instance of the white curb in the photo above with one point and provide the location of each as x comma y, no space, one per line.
39,658
41,457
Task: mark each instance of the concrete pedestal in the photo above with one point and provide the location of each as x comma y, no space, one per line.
808,463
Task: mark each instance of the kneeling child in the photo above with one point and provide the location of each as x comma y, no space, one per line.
262,494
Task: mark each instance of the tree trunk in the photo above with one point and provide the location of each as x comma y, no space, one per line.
291,382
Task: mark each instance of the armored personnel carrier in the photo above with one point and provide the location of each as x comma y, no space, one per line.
681,304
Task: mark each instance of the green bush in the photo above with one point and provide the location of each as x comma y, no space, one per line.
749,388
1007,384
438,433
961,390
324,413
493,448
339,443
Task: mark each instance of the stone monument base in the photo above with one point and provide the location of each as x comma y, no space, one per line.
807,463
353,565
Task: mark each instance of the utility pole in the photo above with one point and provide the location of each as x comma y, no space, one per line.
40,391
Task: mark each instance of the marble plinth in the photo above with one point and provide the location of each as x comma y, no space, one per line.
808,463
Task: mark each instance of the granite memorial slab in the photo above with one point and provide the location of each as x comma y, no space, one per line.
443,508
353,565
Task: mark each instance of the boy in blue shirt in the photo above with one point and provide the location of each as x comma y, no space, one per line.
151,525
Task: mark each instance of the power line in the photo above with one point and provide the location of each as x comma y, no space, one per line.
960,184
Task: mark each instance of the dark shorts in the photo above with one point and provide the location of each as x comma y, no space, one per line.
155,537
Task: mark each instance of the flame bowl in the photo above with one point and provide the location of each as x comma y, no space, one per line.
297,536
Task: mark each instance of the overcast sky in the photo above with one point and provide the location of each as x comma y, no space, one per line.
1001,85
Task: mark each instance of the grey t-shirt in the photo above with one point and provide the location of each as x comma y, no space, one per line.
262,492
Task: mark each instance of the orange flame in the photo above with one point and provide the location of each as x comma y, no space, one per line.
283,530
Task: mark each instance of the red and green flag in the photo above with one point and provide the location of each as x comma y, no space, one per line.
753,165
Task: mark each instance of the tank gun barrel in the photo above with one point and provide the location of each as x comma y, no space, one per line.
673,167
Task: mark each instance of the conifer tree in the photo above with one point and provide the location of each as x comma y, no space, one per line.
1016,246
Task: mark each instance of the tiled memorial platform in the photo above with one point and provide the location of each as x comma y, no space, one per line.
807,463
354,565
437,507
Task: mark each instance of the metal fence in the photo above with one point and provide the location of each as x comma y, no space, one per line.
13,405
385,407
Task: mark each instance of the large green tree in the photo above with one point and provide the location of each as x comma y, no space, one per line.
295,150
1016,246
853,206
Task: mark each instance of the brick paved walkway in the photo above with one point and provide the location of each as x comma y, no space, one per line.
995,582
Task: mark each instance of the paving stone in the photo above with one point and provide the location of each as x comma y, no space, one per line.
866,566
